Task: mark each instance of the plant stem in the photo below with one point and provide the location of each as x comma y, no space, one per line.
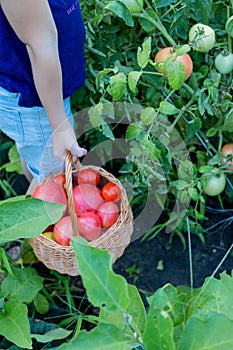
158,24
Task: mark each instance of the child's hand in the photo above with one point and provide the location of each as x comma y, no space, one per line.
64,139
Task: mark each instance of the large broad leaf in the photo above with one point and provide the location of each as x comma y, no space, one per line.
103,337
103,286
14,324
27,217
213,333
159,328
54,334
23,285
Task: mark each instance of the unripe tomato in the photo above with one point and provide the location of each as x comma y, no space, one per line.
167,52
108,213
214,182
87,198
134,6
111,192
63,231
202,37
224,62
88,176
51,192
227,153
89,226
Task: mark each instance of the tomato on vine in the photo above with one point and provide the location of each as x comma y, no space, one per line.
202,37
163,59
224,62
227,153
214,182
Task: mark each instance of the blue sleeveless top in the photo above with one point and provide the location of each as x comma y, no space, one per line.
15,67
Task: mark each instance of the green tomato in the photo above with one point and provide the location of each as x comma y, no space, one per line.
134,6
214,182
229,26
202,37
224,62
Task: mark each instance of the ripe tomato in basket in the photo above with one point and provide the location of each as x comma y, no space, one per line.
87,198
88,176
51,192
63,231
60,179
108,213
111,192
89,226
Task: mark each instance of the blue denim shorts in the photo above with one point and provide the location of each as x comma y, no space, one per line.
31,131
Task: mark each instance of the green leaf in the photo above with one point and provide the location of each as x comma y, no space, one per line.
103,286
107,131
193,126
14,163
168,108
228,121
23,285
137,311
133,131
213,333
143,54
95,114
133,78
102,337
54,334
148,116
41,303
121,10
26,218
14,324
159,328
117,85
176,74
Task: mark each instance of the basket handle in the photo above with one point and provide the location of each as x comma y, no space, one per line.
69,191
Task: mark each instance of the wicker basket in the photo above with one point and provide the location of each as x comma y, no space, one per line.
62,258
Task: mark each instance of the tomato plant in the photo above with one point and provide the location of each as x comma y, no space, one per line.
202,37
108,213
111,192
86,198
213,182
89,226
163,58
224,62
135,6
88,176
63,231
227,153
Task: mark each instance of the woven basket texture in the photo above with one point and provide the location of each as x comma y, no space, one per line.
62,258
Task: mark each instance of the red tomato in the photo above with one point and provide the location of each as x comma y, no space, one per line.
60,179
51,192
108,213
88,176
227,153
89,226
87,198
168,52
63,231
111,192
